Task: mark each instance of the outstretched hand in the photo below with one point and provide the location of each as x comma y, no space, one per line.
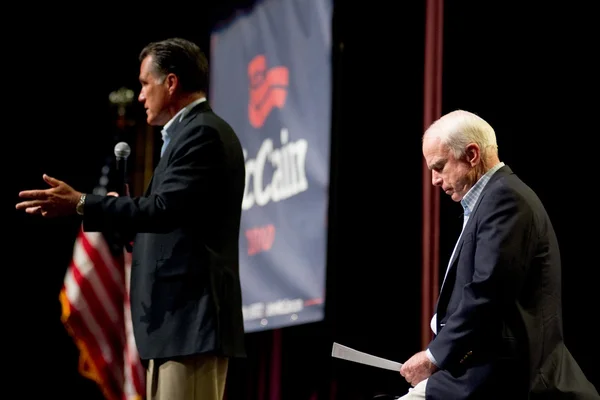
59,200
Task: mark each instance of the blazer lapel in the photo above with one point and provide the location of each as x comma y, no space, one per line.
452,263
180,125
149,186
505,170
176,127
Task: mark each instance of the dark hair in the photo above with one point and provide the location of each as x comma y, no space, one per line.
182,58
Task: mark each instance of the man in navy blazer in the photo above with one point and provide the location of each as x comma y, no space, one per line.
185,289
497,324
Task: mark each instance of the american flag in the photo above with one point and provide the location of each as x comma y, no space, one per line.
96,313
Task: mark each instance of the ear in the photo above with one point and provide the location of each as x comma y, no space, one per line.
172,83
473,154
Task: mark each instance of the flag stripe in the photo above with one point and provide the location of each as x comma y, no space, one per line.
96,312
99,367
97,319
94,267
99,250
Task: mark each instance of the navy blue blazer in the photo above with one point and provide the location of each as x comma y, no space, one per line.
499,322
185,286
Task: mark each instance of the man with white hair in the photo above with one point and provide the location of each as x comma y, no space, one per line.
497,326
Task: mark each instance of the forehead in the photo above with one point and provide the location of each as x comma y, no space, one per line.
433,148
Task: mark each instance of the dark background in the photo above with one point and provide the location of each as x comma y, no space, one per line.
529,71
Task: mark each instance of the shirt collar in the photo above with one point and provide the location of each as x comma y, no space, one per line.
180,115
470,198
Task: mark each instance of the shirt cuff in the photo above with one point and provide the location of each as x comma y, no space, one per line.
431,358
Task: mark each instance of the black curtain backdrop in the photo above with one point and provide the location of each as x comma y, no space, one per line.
529,71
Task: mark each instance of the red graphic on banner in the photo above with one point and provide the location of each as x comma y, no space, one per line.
260,239
268,89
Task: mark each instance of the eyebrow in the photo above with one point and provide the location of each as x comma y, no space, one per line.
438,163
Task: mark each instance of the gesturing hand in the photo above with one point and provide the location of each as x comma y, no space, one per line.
60,200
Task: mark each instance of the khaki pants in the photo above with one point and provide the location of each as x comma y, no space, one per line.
417,392
190,378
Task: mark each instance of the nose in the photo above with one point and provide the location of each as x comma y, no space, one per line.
436,179
141,97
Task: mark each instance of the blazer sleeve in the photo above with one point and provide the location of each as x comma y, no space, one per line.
502,238
193,169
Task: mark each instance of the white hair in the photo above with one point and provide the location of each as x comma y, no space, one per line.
459,128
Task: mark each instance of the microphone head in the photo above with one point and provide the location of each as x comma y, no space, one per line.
122,150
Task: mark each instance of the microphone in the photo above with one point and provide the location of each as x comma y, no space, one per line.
122,151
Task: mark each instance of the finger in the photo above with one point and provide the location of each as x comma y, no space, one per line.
34,194
115,194
30,204
34,210
51,181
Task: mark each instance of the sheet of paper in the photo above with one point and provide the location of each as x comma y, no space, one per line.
346,353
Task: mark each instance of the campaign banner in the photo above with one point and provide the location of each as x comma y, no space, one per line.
271,80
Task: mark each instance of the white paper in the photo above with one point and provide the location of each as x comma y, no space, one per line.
346,353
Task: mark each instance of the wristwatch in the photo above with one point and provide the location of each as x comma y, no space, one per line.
79,207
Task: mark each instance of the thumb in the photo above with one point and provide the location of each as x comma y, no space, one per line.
51,181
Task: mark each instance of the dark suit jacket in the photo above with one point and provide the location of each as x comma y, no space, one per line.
499,323
185,288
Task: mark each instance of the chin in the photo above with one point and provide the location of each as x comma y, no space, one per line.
456,197
151,120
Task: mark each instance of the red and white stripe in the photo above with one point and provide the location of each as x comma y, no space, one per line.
96,312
